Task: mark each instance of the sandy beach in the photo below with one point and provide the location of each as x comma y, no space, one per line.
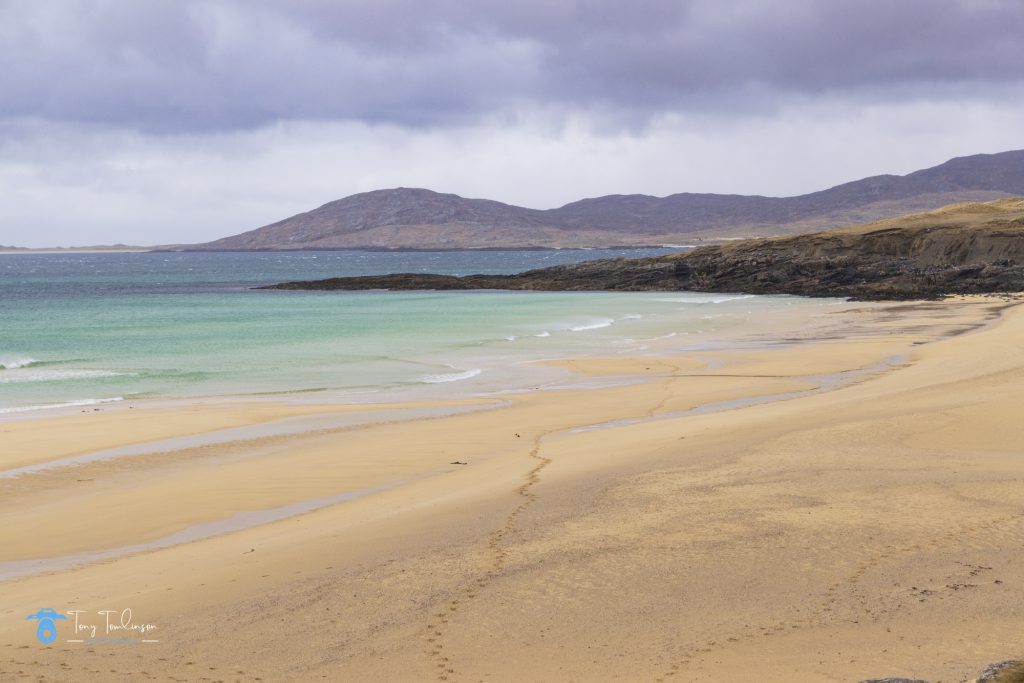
835,496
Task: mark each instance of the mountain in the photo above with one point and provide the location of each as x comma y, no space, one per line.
402,217
960,249
405,218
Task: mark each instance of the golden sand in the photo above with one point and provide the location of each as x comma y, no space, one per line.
843,506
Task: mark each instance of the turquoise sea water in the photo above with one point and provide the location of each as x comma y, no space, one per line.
76,329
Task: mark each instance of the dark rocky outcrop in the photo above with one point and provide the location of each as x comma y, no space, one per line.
1010,671
963,249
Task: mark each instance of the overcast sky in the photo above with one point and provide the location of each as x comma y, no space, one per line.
162,121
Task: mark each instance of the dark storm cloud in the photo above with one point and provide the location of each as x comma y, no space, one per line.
166,65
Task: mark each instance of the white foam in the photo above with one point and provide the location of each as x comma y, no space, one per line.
605,322
17,363
632,316
69,404
23,375
702,299
543,334
450,377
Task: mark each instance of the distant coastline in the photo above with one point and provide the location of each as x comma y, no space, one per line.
176,250
112,249
426,249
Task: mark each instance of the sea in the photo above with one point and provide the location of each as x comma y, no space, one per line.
84,329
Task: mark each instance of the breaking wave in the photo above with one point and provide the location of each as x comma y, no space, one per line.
69,404
57,375
450,376
18,363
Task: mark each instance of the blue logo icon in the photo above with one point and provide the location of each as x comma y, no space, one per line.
47,631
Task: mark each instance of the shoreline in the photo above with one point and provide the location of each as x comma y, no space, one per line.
438,535
325,422
483,367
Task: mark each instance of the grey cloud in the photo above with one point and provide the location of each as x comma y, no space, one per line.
193,65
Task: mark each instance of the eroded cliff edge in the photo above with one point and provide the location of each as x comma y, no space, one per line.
959,249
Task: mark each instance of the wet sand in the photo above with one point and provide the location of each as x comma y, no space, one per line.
832,497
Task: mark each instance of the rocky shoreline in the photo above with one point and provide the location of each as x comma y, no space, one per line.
1010,671
962,249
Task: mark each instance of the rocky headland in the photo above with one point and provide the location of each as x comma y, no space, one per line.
960,249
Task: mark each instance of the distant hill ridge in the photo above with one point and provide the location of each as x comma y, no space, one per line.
410,218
